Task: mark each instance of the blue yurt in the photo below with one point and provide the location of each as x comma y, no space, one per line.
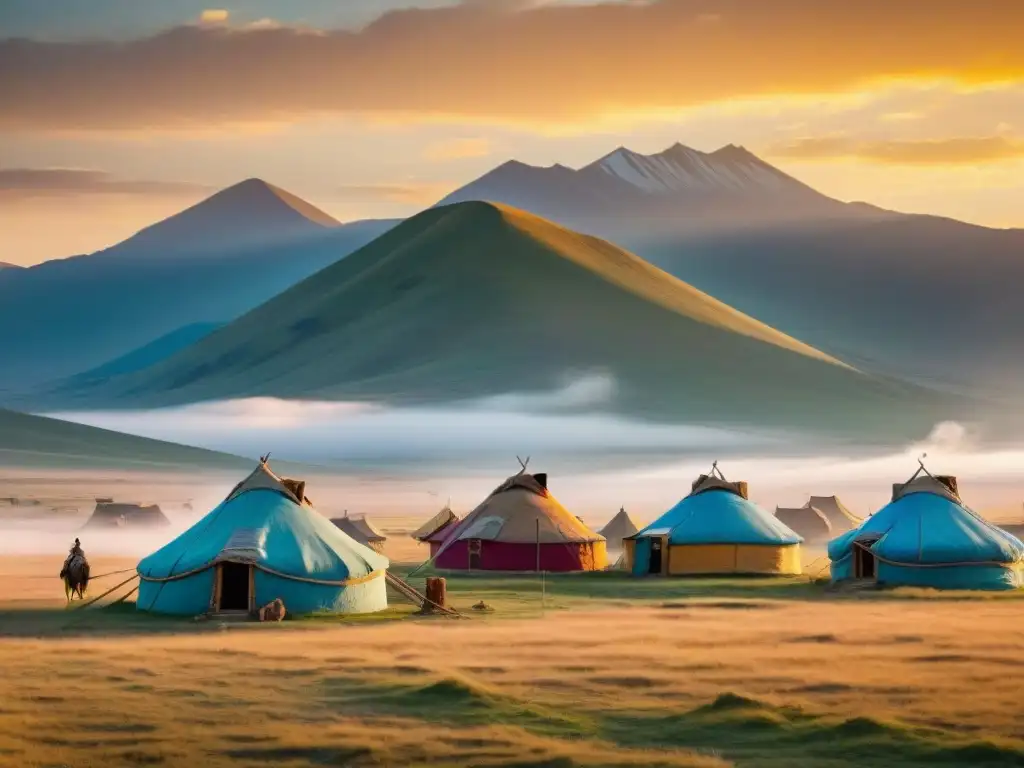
263,542
716,529
927,537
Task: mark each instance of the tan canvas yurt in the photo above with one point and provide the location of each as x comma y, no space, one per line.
618,528
436,529
119,515
1016,529
809,522
362,530
840,519
521,526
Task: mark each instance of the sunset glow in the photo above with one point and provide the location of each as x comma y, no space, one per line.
380,111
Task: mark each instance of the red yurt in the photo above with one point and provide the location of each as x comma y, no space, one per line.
518,527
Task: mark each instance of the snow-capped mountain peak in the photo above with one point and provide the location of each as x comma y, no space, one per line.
680,168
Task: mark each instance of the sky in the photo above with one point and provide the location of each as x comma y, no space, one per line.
116,113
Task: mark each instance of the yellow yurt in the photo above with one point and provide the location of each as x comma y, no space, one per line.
714,530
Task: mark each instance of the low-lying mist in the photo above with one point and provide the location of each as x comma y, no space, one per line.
558,423
401,464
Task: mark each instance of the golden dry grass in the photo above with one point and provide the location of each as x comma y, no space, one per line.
798,679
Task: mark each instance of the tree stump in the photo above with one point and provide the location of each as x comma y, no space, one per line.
436,593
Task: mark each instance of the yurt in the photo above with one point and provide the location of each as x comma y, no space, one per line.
264,541
520,526
362,530
618,528
714,530
108,514
810,523
927,537
840,518
436,529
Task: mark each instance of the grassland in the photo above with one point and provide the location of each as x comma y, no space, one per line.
609,671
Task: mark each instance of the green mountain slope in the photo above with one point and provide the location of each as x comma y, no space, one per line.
38,441
146,355
476,299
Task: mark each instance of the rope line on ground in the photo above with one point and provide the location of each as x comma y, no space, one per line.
93,600
111,573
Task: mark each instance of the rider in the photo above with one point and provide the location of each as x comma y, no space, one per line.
76,550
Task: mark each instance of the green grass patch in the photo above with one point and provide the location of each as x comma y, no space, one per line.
452,700
760,734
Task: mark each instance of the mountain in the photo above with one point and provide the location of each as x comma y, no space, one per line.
252,212
38,441
476,299
146,355
679,190
928,299
923,298
63,317
6,265
681,169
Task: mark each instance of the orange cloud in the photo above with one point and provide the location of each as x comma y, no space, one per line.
414,193
958,151
525,62
457,149
213,16
63,182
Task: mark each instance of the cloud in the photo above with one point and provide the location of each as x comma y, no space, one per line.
414,193
577,393
529,63
58,182
213,16
958,151
331,433
457,149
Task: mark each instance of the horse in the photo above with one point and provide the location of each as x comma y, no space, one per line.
75,574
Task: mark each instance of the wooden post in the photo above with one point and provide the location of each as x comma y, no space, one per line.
436,593
538,545
542,588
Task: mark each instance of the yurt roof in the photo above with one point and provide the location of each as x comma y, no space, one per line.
837,513
928,524
261,522
359,528
442,519
372,532
109,514
513,510
620,526
718,512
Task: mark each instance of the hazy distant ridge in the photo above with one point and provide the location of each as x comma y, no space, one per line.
475,299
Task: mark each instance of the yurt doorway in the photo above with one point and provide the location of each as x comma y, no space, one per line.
235,587
474,548
863,563
654,566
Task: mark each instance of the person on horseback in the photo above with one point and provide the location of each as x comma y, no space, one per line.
75,551
75,572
